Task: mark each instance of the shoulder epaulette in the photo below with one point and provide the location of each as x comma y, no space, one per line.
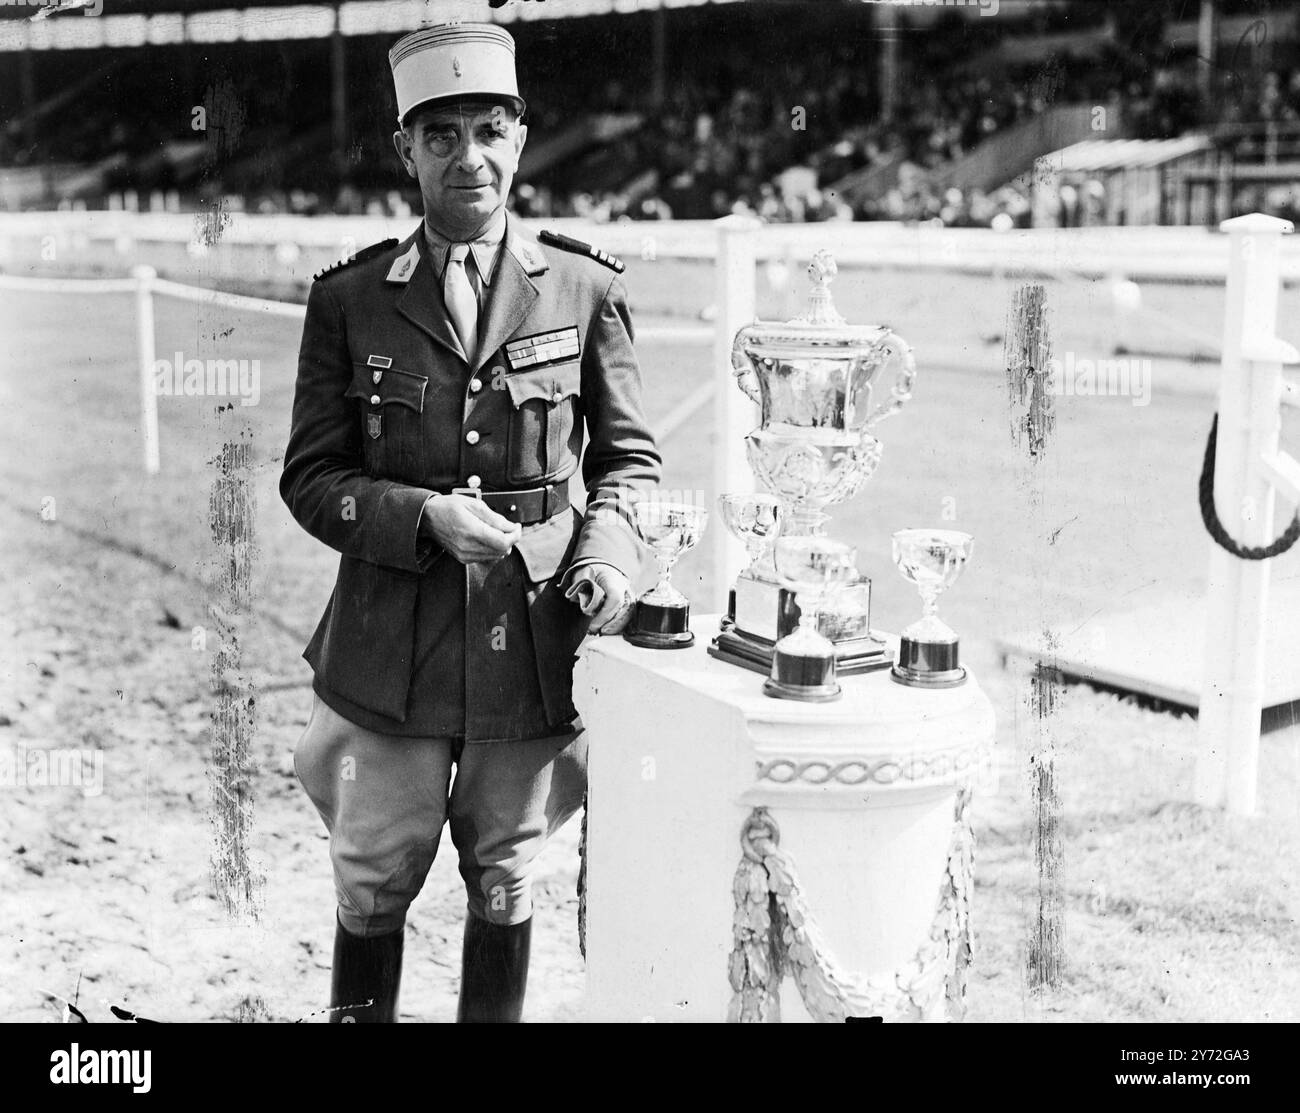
360,257
568,243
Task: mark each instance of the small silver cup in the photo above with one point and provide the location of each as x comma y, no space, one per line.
755,521
803,664
662,618
932,559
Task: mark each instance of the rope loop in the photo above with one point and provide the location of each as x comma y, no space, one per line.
1210,514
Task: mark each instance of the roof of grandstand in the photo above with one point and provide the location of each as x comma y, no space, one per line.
140,23
1127,154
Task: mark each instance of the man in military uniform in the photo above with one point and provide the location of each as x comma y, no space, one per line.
444,387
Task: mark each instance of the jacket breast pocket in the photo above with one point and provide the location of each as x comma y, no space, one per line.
392,421
543,409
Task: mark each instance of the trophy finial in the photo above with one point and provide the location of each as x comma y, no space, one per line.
821,310
822,268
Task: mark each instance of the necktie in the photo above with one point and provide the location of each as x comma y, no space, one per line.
462,305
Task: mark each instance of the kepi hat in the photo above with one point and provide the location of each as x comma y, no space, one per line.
451,61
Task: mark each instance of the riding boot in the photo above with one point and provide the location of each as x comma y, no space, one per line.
365,977
494,972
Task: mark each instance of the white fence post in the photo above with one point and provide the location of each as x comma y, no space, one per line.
734,415
144,277
1250,391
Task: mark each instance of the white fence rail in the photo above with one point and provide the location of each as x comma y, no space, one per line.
1176,254
145,285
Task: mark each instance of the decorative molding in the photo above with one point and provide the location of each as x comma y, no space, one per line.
955,762
775,934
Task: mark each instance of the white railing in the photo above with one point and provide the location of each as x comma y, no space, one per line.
1249,472
145,284
1179,254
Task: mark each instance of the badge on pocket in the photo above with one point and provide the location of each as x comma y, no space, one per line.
375,425
380,364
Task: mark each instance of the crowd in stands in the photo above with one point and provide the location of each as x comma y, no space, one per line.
749,127
774,149
745,157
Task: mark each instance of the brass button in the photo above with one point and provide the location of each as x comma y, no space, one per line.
374,399
475,386
472,436
558,396
473,481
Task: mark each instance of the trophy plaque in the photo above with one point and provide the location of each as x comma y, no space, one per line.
814,379
662,616
927,650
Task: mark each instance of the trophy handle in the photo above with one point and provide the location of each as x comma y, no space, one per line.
902,388
744,370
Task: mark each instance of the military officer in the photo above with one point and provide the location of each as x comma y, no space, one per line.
447,386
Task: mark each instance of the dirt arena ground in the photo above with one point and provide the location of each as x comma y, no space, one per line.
1172,913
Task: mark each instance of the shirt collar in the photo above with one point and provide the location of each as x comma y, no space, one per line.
485,248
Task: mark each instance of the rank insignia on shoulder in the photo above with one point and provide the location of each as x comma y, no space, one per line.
568,243
360,257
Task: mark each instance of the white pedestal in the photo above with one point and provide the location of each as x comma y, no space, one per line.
683,748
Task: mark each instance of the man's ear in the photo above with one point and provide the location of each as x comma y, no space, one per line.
402,144
522,131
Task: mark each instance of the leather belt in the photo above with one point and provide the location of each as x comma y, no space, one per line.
536,504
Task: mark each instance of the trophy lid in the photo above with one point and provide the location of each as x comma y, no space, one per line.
819,327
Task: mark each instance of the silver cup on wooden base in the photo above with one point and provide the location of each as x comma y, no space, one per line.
662,618
927,650
803,662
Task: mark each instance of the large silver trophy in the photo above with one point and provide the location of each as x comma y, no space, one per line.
815,379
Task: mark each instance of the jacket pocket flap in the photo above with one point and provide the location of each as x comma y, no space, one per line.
403,388
544,547
546,384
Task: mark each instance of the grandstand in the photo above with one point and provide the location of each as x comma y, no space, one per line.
651,109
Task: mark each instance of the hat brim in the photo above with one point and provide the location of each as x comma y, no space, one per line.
482,97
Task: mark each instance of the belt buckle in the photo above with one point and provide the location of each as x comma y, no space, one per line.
473,492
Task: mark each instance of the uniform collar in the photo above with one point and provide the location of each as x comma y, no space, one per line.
485,248
523,249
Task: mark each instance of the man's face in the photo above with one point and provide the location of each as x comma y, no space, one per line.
464,157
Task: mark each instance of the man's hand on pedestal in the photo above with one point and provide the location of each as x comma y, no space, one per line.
468,530
604,593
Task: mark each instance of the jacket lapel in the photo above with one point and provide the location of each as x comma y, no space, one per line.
421,301
511,300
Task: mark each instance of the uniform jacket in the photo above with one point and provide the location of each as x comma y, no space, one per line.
387,411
